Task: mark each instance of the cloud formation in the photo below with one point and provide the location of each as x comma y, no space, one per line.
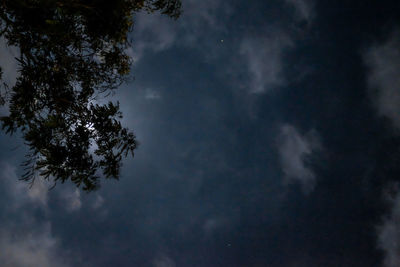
389,230
151,94
383,80
20,192
24,194
26,241
30,248
163,261
152,33
294,150
155,32
304,9
98,202
383,62
71,199
263,58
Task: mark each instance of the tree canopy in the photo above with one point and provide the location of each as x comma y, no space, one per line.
71,52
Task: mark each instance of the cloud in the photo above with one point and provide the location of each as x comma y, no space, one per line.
263,54
264,62
20,191
26,240
389,230
202,26
202,12
202,18
212,225
294,150
98,202
30,248
383,62
151,94
24,195
163,261
304,9
39,192
152,33
72,199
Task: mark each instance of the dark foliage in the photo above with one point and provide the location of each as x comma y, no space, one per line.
71,53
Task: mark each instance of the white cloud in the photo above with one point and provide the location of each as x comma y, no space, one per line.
98,202
24,241
155,32
39,192
263,55
203,17
202,12
211,225
383,61
30,248
163,261
263,59
23,194
294,149
152,32
389,230
151,94
202,25
21,191
71,199
304,9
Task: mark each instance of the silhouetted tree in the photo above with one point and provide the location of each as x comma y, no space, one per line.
70,53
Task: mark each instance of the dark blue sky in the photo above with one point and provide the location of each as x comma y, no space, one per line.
269,136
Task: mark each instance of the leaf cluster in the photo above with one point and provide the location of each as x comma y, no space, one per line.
71,53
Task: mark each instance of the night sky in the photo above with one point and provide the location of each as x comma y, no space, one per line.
269,136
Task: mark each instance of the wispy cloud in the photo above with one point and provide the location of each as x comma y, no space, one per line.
163,261
211,225
20,191
24,194
30,247
383,62
389,230
72,199
304,9
203,19
263,58
27,241
152,94
152,33
155,33
263,54
98,202
294,151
